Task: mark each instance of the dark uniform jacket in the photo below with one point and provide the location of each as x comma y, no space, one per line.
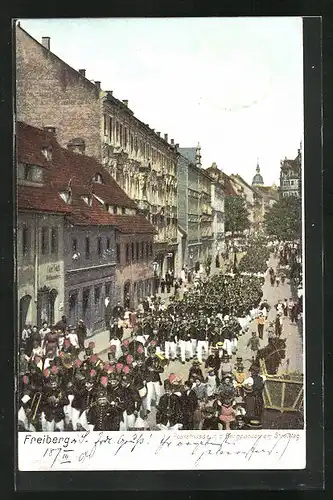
83,399
154,374
169,410
53,402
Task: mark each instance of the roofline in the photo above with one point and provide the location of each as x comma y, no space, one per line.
113,100
57,57
20,209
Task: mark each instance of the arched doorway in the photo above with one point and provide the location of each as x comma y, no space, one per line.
46,305
24,310
127,294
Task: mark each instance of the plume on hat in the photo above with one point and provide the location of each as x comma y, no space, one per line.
140,349
92,373
126,369
126,342
77,363
104,381
25,379
172,378
93,358
119,367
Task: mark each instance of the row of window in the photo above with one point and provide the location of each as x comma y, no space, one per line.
49,240
120,134
291,193
138,251
292,182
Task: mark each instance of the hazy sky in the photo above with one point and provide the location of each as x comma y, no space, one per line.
235,85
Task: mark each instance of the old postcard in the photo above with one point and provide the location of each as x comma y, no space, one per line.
160,277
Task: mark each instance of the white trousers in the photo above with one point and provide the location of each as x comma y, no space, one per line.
185,349
170,349
68,410
22,417
202,345
154,393
75,416
169,427
117,343
128,422
194,346
52,426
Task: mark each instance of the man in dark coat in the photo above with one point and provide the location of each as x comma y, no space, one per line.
81,332
118,311
169,410
62,324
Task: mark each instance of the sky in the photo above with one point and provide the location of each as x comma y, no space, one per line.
234,85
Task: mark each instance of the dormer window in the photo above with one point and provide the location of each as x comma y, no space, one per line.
47,152
30,173
98,178
87,200
66,196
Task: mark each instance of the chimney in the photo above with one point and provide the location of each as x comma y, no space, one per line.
46,42
125,101
82,72
98,85
50,130
166,137
159,134
172,141
177,145
109,92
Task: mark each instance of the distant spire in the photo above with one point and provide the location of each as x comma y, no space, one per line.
258,168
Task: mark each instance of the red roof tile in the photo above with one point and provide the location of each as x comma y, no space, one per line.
41,199
79,170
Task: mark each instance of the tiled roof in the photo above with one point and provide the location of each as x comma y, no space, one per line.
78,170
41,199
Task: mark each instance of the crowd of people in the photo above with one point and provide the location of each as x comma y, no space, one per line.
64,385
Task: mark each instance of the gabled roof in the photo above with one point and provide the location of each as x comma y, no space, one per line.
67,169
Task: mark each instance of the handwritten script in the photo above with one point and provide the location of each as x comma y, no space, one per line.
158,450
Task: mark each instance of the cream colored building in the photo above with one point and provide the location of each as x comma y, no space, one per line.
40,268
145,166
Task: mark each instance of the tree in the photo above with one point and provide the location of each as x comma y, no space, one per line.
284,219
236,214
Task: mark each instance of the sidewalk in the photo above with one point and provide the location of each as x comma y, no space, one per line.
294,346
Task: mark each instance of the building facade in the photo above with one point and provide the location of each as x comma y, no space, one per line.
40,230
99,223
291,176
195,213
251,196
217,201
51,93
145,165
40,265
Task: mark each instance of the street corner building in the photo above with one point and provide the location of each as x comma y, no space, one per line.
80,238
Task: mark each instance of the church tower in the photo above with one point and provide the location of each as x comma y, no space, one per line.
257,179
